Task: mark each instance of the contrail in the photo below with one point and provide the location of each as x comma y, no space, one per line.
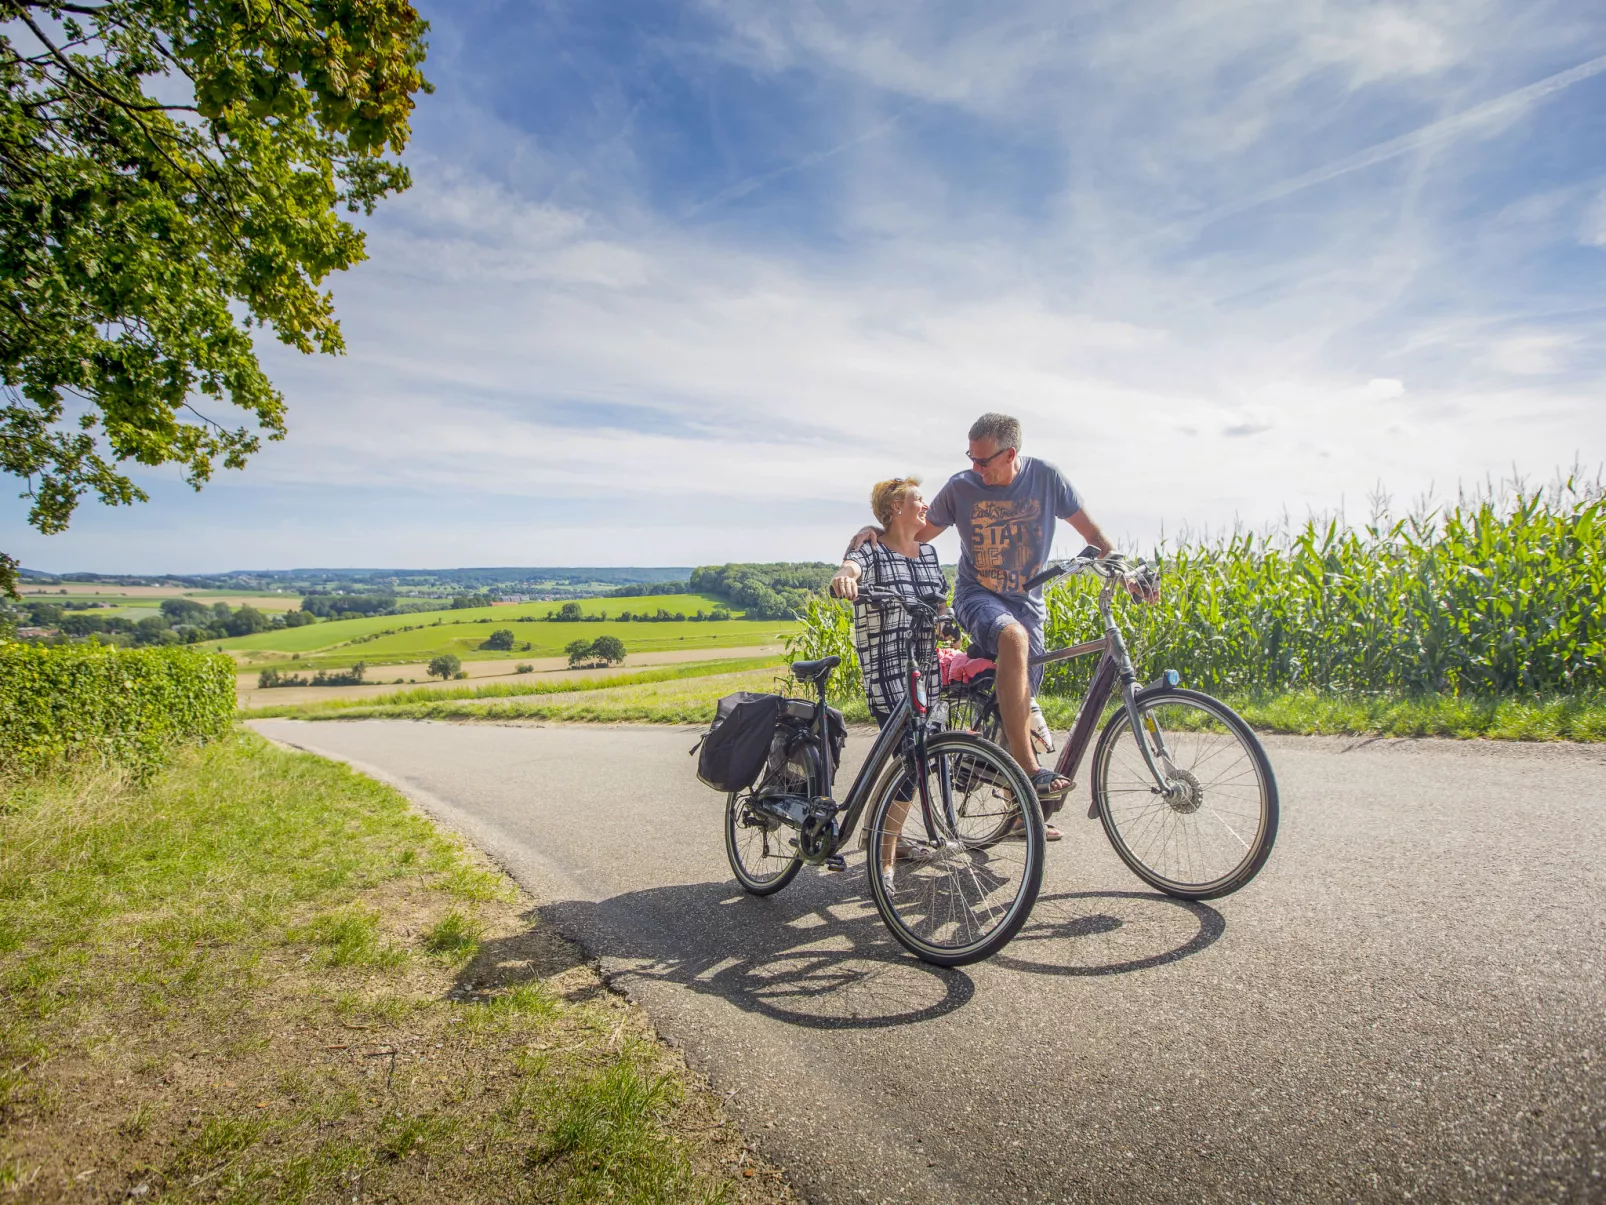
742,187
1438,131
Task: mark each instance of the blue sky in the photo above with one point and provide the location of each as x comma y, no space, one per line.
676,284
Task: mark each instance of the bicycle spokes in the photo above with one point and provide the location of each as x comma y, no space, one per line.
957,883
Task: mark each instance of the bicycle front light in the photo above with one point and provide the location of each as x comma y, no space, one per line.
919,693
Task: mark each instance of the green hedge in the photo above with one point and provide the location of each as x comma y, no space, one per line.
126,707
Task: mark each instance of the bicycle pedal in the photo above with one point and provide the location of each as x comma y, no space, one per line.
836,863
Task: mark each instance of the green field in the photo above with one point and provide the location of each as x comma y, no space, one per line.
399,639
137,606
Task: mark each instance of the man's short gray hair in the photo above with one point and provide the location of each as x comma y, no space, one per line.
1003,430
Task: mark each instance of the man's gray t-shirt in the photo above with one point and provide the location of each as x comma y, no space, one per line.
1005,531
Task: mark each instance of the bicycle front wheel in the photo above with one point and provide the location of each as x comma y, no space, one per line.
947,900
1212,830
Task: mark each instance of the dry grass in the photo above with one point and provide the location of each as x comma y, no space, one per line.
264,978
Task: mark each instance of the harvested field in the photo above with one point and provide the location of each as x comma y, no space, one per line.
547,669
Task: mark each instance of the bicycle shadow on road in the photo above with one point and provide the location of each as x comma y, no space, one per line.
813,955
817,954
1084,933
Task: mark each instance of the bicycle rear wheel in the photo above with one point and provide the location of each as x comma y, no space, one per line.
952,901
762,855
1214,832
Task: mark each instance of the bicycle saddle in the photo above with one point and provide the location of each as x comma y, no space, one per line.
813,671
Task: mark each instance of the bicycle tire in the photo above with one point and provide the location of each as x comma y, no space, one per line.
759,882
931,891
1160,827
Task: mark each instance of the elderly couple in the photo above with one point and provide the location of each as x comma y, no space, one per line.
1005,506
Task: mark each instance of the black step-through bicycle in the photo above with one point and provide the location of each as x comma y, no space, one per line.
1183,787
947,887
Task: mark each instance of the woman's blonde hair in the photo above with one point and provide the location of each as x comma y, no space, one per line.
888,494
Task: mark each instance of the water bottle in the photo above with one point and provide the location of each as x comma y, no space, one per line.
1042,738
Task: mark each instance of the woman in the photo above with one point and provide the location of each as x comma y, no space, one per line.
899,564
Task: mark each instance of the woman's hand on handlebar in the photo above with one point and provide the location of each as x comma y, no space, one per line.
846,583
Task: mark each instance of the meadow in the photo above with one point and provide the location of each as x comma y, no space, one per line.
400,639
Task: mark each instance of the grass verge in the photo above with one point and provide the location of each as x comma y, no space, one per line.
1554,718
1314,713
262,977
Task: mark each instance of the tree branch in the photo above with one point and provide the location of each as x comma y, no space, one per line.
67,64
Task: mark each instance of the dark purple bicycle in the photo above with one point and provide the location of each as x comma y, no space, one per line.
1181,783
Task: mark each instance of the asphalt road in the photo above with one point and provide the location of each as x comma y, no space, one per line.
1409,1003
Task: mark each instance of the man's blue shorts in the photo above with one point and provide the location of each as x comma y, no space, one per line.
984,615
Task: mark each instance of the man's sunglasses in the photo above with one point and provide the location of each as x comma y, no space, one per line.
981,462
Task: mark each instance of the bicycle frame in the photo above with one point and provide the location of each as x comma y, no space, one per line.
904,733
1115,664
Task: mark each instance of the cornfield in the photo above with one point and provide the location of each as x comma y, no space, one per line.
1496,594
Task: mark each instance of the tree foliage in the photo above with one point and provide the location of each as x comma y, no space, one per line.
445,666
764,591
170,176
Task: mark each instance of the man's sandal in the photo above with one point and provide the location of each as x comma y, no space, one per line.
1043,780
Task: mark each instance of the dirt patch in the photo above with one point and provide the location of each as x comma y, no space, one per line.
262,602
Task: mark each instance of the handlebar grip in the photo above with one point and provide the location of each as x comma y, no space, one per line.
1040,577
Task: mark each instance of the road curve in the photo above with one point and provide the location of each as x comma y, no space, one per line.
1409,1003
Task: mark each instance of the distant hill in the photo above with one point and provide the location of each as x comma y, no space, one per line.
544,582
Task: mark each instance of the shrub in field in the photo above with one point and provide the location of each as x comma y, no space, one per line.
445,666
523,668
604,650
500,640
126,707
355,676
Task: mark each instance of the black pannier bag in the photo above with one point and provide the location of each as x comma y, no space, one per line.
742,737
738,741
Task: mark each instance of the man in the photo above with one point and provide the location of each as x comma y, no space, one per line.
1005,506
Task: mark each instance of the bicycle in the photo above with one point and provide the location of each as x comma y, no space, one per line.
1191,805
948,900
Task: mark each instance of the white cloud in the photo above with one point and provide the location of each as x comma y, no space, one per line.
1381,389
1593,231
1530,353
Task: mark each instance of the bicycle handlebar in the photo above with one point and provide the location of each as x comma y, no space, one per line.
927,602
1112,566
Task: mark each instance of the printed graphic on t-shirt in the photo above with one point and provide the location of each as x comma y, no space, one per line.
1002,543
